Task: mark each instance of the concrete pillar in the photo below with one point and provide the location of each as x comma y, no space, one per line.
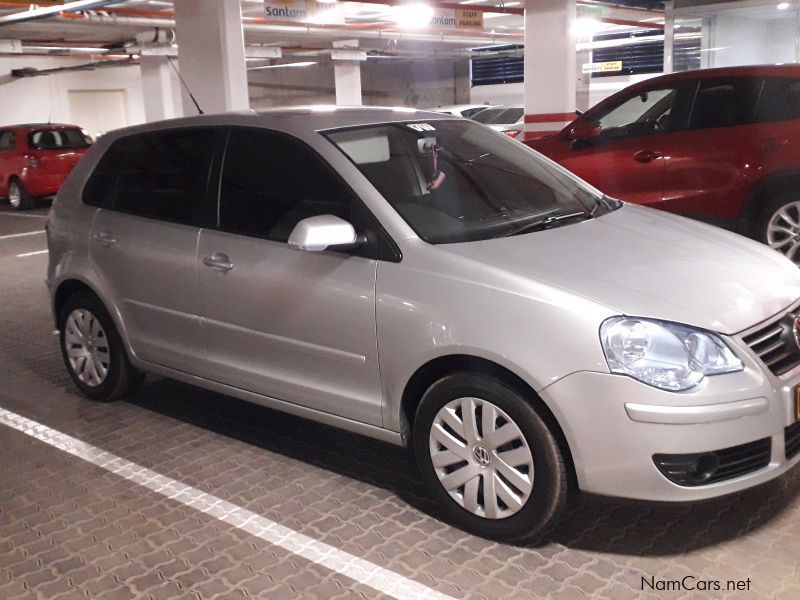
158,88
211,52
550,65
347,72
669,36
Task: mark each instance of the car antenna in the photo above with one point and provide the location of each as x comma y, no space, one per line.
186,87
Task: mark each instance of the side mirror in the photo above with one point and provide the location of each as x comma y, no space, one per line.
319,233
584,131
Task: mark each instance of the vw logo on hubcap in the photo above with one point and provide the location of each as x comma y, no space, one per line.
482,456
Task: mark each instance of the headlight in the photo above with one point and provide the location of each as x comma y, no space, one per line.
665,355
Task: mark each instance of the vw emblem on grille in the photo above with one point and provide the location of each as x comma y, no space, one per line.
482,456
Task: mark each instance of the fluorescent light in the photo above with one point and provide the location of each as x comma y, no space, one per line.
783,6
586,26
412,16
297,64
86,49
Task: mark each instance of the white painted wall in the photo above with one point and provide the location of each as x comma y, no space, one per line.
736,40
42,99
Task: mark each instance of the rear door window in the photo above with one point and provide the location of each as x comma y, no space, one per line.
7,140
780,100
725,102
162,175
58,139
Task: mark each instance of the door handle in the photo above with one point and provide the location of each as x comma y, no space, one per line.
105,238
646,156
219,262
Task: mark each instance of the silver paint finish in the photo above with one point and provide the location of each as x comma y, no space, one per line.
316,234
304,332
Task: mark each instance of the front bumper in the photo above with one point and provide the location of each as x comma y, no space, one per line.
615,426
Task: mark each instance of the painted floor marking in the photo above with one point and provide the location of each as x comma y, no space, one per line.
16,235
330,557
24,254
8,214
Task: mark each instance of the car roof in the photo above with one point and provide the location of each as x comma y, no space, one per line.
791,71
297,119
39,126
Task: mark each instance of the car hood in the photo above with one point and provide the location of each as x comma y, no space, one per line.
646,263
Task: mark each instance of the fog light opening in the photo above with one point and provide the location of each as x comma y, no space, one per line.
703,468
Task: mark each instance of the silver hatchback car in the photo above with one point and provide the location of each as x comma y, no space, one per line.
428,282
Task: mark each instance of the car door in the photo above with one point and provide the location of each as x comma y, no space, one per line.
624,157
7,146
706,166
293,325
152,190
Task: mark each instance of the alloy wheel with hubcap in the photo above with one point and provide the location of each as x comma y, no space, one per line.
481,458
489,457
93,351
783,231
86,345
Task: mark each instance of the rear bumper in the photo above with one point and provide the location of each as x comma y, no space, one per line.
39,184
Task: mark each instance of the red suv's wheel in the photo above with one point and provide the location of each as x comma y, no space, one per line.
780,224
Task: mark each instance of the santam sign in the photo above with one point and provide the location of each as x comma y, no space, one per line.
304,11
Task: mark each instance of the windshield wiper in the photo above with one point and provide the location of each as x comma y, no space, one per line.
552,221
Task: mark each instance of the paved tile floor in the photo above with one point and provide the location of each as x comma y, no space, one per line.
69,529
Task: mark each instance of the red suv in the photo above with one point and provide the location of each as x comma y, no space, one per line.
36,159
719,145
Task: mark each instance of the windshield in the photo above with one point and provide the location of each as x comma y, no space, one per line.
499,116
58,139
456,181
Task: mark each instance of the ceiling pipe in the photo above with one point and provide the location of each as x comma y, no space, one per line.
34,14
302,30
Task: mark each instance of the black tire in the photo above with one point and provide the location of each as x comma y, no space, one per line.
17,190
121,378
776,202
548,497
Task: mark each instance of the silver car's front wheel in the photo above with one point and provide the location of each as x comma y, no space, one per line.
489,456
481,458
86,346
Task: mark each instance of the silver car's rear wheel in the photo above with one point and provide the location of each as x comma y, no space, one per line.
783,230
86,346
481,458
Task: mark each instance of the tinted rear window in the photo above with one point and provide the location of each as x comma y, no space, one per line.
58,139
160,175
723,102
780,100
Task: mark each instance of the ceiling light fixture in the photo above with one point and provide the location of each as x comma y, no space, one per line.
412,16
296,64
783,6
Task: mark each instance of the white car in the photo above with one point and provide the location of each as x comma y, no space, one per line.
468,111
509,120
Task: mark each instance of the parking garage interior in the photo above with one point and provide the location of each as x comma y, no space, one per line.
181,492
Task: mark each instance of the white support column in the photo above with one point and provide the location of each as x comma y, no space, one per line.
347,71
669,36
211,52
550,65
158,89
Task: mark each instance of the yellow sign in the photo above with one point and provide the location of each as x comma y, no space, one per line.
469,19
612,66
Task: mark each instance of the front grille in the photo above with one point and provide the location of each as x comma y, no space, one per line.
773,346
704,468
792,436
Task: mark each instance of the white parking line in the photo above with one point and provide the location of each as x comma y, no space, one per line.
24,254
344,563
16,235
8,214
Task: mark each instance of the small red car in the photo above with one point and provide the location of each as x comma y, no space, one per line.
36,159
719,145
